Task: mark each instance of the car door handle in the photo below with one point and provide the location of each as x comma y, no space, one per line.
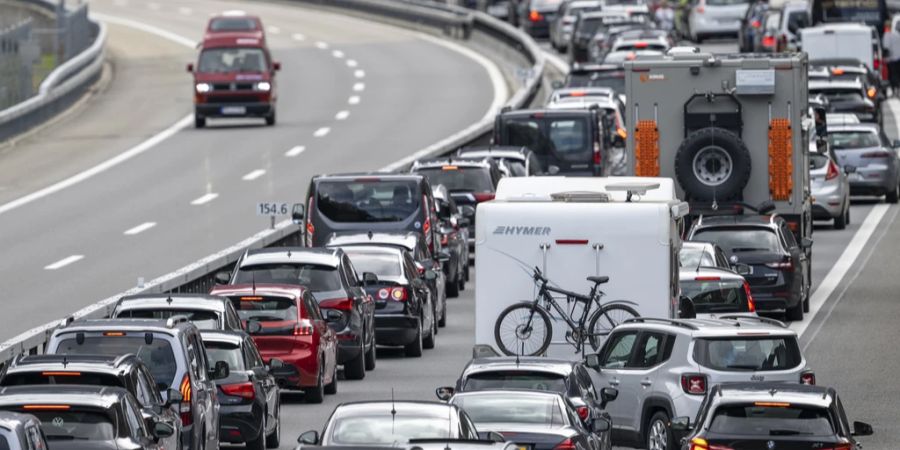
614,382
646,382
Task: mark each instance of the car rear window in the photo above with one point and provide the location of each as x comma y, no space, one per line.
771,419
839,95
387,429
613,80
457,179
70,377
368,201
75,425
379,263
229,60
316,277
224,351
203,319
841,140
645,46
740,240
157,355
566,138
748,353
817,161
519,409
516,379
716,296
275,315
692,258
232,24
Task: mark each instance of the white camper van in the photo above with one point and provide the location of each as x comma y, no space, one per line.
626,228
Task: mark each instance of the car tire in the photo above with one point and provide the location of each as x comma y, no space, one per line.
453,287
356,369
316,394
270,119
370,356
840,222
795,313
199,121
894,195
702,158
443,320
428,339
331,388
658,434
468,277
414,348
274,440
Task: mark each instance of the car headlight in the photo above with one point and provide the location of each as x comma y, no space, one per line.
263,86
203,87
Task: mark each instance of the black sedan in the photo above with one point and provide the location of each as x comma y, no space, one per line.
536,420
403,305
250,410
454,230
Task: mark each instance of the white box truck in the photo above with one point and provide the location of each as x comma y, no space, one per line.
626,228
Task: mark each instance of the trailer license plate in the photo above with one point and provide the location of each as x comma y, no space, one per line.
234,110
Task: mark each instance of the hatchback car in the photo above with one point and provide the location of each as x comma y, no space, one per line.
779,266
454,228
849,69
751,29
535,16
830,188
772,415
587,24
561,28
20,431
597,75
514,161
867,149
288,326
206,311
335,285
710,18
174,353
250,411
783,25
714,291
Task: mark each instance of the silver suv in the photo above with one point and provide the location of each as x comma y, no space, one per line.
663,368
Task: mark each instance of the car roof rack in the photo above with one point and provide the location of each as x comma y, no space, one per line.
677,323
739,317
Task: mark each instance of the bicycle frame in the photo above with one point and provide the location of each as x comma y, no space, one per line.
544,294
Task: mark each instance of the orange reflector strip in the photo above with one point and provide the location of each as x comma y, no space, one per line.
61,374
250,299
114,333
646,149
781,166
450,168
46,407
775,404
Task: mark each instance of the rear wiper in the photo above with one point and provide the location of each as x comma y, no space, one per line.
742,366
787,433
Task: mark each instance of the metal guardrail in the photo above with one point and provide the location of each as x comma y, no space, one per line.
199,276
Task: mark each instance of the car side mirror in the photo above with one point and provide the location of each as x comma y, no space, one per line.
223,277
220,371
430,275
862,429
741,269
275,364
556,84
686,308
254,327
600,425
806,243
467,211
444,393
592,360
607,395
309,438
276,66
494,436
849,168
332,315
162,430
173,396
682,423
190,67
443,256
298,212
553,170
369,278
278,369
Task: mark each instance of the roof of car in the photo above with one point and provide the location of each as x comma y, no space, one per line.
368,176
782,392
836,62
454,162
62,394
405,239
738,220
865,126
298,255
725,325
831,83
173,301
249,38
511,393
697,244
372,248
86,363
262,289
231,337
707,272
583,68
529,363
545,113
604,14
495,151
432,408
148,325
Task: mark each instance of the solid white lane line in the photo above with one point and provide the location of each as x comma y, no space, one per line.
140,228
359,87
253,175
184,10
354,100
351,63
64,262
206,198
337,54
298,37
843,264
273,30
342,115
295,151
359,73
322,45
322,132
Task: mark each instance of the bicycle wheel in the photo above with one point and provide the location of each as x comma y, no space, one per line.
607,318
523,329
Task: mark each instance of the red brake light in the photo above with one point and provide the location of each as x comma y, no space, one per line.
755,24
565,445
535,16
787,264
187,416
577,94
46,407
699,444
243,390
444,239
768,41
303,328
808,377
343,304
641,44
707,279
597,156
310,228
833,171
876,154
751,305
484,196
571,242
583,412
693,383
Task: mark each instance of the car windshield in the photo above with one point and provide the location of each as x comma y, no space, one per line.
843,140
739,240
374,430
232,24
765,353
381,264
694,257
233,59
456,178
275,315
157,355
817,161
614,80
203,319
566,138
589,26
716,296
516,379
75,425
368,201
506,408
315,277
44,377
771,419
224,351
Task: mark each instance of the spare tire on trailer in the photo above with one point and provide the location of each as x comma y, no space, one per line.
712,164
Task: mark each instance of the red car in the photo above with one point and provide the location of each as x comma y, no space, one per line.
286,323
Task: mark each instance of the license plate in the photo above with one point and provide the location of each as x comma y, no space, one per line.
523,447
234,110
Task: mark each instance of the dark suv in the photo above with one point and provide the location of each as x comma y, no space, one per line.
565,142
776,266
368,202
126,371
174,353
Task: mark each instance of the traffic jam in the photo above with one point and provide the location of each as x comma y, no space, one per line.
642,243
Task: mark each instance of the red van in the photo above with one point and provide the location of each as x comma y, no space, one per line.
234,77
234,22
286,323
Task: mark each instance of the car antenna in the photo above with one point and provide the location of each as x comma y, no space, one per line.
393,412
370,234
253,280
169,300
65,362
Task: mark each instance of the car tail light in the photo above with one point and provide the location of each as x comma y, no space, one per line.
833,171
700,9
707,279
398,294
343,304
871,92
243,390
751,305
876,154
755,24
693,383
444,239
699,444
310,228
567,444
583,412
484,196
640,44
597,157
787,264
304,327
187,415
384,293
808,377
768,41
841,446
794,226
535,16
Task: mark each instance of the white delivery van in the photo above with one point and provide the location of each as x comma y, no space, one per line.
843,40
626,228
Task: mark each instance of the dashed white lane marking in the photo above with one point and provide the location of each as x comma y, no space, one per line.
295,151
322,45
184,10
153,6
342,115
359,87
351,63
337,54
273,30
353,100
140,228
206,198
322,132
359,73
64,262
298,37
253,175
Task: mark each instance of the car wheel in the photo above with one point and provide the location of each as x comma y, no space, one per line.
331,388
414,348
712,164
659,436
467,269
453,287
848,213
316,394
443,320
270,119
840,222
428,338
893,195
199,121
795,313
370,356
274,440
356,369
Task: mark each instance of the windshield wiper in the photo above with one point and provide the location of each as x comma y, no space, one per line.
788,433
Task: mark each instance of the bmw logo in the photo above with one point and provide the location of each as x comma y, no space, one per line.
770,445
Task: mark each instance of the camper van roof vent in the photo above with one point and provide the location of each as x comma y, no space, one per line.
580,197
636,188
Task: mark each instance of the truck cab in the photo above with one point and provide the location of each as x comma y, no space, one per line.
234,77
